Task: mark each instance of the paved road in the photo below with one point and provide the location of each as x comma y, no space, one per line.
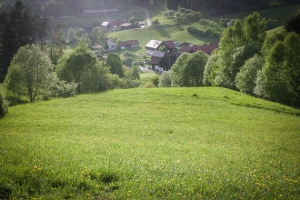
147,16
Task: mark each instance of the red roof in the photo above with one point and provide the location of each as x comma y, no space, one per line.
129,43
205,48
156,60
169,44
185,49
214,44
118,22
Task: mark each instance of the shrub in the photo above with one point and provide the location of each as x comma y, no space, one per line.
154,81
208,32
204,22
169,14
63,89
3,104
165,79
155,22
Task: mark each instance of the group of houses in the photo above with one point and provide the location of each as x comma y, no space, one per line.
163,60
164,53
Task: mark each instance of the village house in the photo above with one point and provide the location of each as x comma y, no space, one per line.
105,24
129,44
152,45
185,48
162,61
206,48
169,45
127,26
110,45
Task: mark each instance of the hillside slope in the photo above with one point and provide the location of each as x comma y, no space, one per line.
151,143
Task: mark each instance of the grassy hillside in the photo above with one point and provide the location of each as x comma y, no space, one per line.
280,14
173,143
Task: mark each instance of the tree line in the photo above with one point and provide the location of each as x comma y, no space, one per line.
247,60
217,7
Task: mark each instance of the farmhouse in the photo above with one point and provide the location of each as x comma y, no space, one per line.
105,24
206,48
169,45
127,26
87,13
110,45
129,44
152,45
163,61
185,48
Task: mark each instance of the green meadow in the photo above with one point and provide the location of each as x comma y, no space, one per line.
172,143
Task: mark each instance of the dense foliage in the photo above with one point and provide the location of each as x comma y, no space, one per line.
255,64
238,43
293,24
18,27
83,68
282,70
165,79
115,64
188,69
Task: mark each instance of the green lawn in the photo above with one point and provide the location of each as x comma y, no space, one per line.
173,143
145,78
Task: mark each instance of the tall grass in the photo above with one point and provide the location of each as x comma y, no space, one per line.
173,143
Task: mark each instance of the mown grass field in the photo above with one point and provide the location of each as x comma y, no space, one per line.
173,143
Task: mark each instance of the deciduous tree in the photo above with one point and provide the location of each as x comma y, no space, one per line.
238,43
57,39
282,70
115,64
188,69
246,77
30,71
293,24
165,79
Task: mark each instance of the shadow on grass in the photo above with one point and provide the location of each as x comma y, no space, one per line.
162,32
135,49
205,39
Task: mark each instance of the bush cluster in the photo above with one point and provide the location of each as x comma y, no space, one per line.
3,104
183,14
208,32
